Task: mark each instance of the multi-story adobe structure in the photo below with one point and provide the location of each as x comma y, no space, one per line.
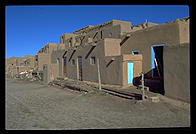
165,50
76,55
15,65
161,52
124,51
43,56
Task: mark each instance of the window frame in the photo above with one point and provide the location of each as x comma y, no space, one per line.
73,62
133,52
93,60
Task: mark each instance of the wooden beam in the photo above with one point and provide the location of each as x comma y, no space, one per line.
89,52
72,54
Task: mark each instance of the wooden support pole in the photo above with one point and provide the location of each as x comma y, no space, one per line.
157,66
98,70
143,93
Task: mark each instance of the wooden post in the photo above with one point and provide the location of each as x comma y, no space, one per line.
143,93
157,66
98,71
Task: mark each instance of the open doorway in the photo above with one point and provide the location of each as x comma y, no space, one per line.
157,68
157,61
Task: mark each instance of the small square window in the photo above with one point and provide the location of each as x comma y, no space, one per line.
135,52
92,60
73,62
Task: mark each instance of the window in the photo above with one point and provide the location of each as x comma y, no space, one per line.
70,42
135,52
27,63
92,60
73,62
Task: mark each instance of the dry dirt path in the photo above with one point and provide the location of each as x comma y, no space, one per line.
32,106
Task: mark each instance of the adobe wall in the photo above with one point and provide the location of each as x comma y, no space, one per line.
142,26
137,61
43,59
83,36
96,35
111,70
111,62
142,40
23,68
110,74
11,67
31,59
184,32
90,70
103,26
14,62
177,72
54,56
22,60
116,72
44,55
50,72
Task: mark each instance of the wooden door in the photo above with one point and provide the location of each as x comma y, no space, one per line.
130,72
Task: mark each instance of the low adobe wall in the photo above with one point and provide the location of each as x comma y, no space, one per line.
50,72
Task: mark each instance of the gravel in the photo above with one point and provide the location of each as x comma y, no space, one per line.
35,106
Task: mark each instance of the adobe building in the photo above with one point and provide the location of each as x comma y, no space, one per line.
124,51
44,55
76,57
10,67
165,50
160,51
15,65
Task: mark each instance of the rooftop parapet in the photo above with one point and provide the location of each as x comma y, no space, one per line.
142,26
109,23
46,47
186,19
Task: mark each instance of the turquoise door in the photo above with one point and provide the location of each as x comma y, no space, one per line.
130,72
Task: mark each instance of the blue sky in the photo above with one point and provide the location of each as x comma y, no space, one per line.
28,28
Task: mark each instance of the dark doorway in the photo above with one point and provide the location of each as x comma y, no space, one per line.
80,68
17,70
64,66
157,68
158,61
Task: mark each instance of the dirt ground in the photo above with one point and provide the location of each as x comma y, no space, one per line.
35,106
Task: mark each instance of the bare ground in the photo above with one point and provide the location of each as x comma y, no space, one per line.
31,105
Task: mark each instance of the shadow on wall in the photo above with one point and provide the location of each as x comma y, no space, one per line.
155,84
